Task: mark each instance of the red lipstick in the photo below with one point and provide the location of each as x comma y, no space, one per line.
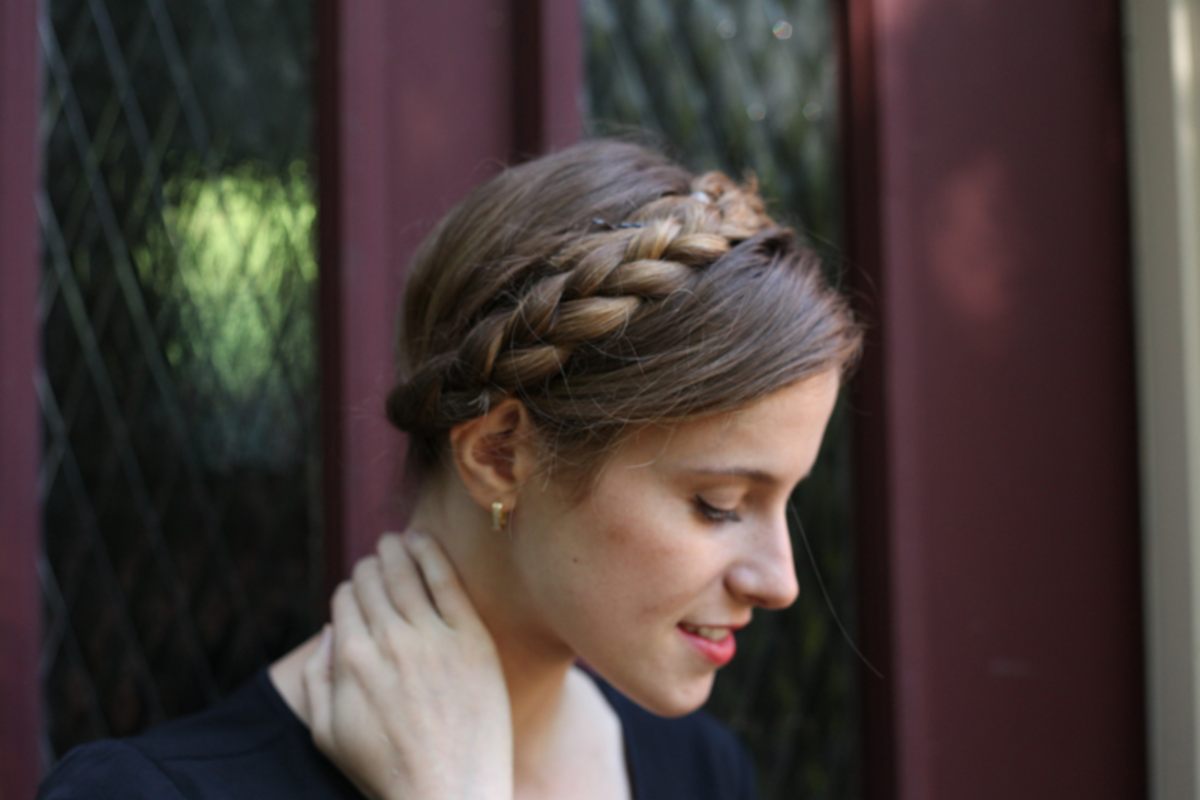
719,652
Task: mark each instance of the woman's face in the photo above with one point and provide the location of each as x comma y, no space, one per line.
683,537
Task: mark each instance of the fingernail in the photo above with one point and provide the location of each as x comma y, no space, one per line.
326,648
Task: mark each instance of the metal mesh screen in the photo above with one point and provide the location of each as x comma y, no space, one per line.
179,394
751,85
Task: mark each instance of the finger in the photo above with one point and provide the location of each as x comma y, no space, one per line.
348,623
441,579
372,597
402,580
318,690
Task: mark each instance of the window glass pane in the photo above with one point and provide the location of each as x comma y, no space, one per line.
737,86
180,393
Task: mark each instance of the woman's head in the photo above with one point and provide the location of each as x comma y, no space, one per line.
608,290
670,357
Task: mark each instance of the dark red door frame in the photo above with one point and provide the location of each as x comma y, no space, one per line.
419,102
861,224
20,440
997,454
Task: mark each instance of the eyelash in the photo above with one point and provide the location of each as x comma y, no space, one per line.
714,514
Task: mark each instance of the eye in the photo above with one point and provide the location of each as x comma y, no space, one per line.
714,514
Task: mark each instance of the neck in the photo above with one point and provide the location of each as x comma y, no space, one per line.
535,663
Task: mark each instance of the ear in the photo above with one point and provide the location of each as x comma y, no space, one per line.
494,454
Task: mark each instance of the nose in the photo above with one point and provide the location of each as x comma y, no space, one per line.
764,572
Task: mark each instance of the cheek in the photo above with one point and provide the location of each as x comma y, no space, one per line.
639,549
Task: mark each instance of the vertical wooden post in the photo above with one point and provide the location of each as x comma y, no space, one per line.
861,223
357,277
997,447
547,75
419,104
20,452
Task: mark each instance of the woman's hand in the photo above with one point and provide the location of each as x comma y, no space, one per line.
406,693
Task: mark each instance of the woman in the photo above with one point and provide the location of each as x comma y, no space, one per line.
612,375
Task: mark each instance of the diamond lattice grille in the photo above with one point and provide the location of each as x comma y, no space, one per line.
736,86
180,472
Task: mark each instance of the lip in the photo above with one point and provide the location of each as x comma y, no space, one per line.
720,652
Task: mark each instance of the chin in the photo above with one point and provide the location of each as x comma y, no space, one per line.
668,700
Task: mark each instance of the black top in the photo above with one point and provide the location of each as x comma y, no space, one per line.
251,745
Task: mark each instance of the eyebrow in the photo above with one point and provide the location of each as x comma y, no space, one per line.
753,475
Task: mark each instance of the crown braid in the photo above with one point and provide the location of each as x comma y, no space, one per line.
585,292
607,288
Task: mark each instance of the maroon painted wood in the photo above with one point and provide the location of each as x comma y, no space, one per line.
547,75
997,451
421,102
861,220
20,450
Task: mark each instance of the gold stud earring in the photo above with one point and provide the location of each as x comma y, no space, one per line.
499,518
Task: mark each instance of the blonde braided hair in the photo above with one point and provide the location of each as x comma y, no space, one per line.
550,282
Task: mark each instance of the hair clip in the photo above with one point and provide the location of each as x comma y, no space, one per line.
612,227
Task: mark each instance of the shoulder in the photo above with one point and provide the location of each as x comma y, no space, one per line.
689,756
246,721
110,769
249,745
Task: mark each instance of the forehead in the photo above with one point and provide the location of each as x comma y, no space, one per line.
779,434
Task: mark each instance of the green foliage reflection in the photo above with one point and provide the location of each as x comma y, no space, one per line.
235,258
